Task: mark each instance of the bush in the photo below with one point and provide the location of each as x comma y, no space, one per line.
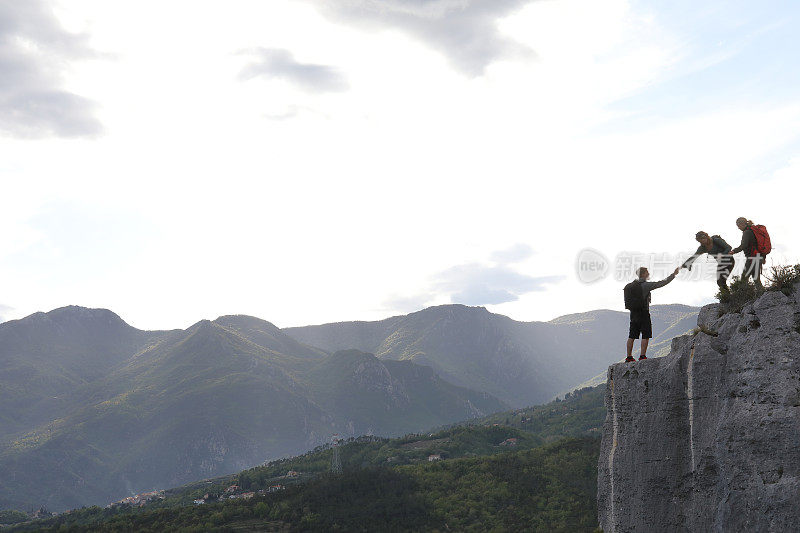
783,278
742,292
261,510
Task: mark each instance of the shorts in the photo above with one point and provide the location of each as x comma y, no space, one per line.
641,325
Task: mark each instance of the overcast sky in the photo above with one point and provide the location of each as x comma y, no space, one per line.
308,161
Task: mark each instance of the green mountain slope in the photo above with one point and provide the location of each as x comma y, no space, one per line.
552,488
95,409
481,483
293,354
391,397
213,399
208,403
45,357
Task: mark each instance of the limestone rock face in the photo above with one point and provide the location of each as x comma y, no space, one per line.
708,438
708,316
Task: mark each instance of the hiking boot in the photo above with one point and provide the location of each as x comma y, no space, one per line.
642,357
629,359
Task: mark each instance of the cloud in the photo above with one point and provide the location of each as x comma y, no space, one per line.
281,64
464,30
33,51
477,283
514,254
289,112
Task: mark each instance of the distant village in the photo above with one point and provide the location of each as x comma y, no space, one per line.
234,493
139,500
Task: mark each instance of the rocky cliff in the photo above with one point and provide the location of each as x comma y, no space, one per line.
708,438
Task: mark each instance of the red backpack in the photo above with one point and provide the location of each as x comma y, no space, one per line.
763,244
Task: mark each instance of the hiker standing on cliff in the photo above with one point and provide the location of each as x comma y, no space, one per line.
755,245
721,251
637,300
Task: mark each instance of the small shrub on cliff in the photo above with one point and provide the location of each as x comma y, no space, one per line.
783,278
742,291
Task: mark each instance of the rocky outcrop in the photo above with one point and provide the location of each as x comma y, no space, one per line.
708,438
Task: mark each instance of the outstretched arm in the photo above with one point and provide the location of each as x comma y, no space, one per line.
651,285
688,263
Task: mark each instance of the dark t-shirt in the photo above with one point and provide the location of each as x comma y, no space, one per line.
749,244
719,248
648,286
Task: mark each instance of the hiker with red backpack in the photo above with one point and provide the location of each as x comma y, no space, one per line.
716,247
755,245
637,300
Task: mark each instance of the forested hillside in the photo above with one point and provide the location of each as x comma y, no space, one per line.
473,477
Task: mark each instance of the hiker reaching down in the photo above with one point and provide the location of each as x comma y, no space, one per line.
716,247
637,300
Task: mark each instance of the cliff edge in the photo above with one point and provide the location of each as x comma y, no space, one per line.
708,437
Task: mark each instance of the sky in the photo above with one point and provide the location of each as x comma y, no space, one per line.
311,161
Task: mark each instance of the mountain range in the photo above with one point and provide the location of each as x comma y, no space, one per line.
94,409
522,363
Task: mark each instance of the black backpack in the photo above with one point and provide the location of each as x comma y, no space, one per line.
634,296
